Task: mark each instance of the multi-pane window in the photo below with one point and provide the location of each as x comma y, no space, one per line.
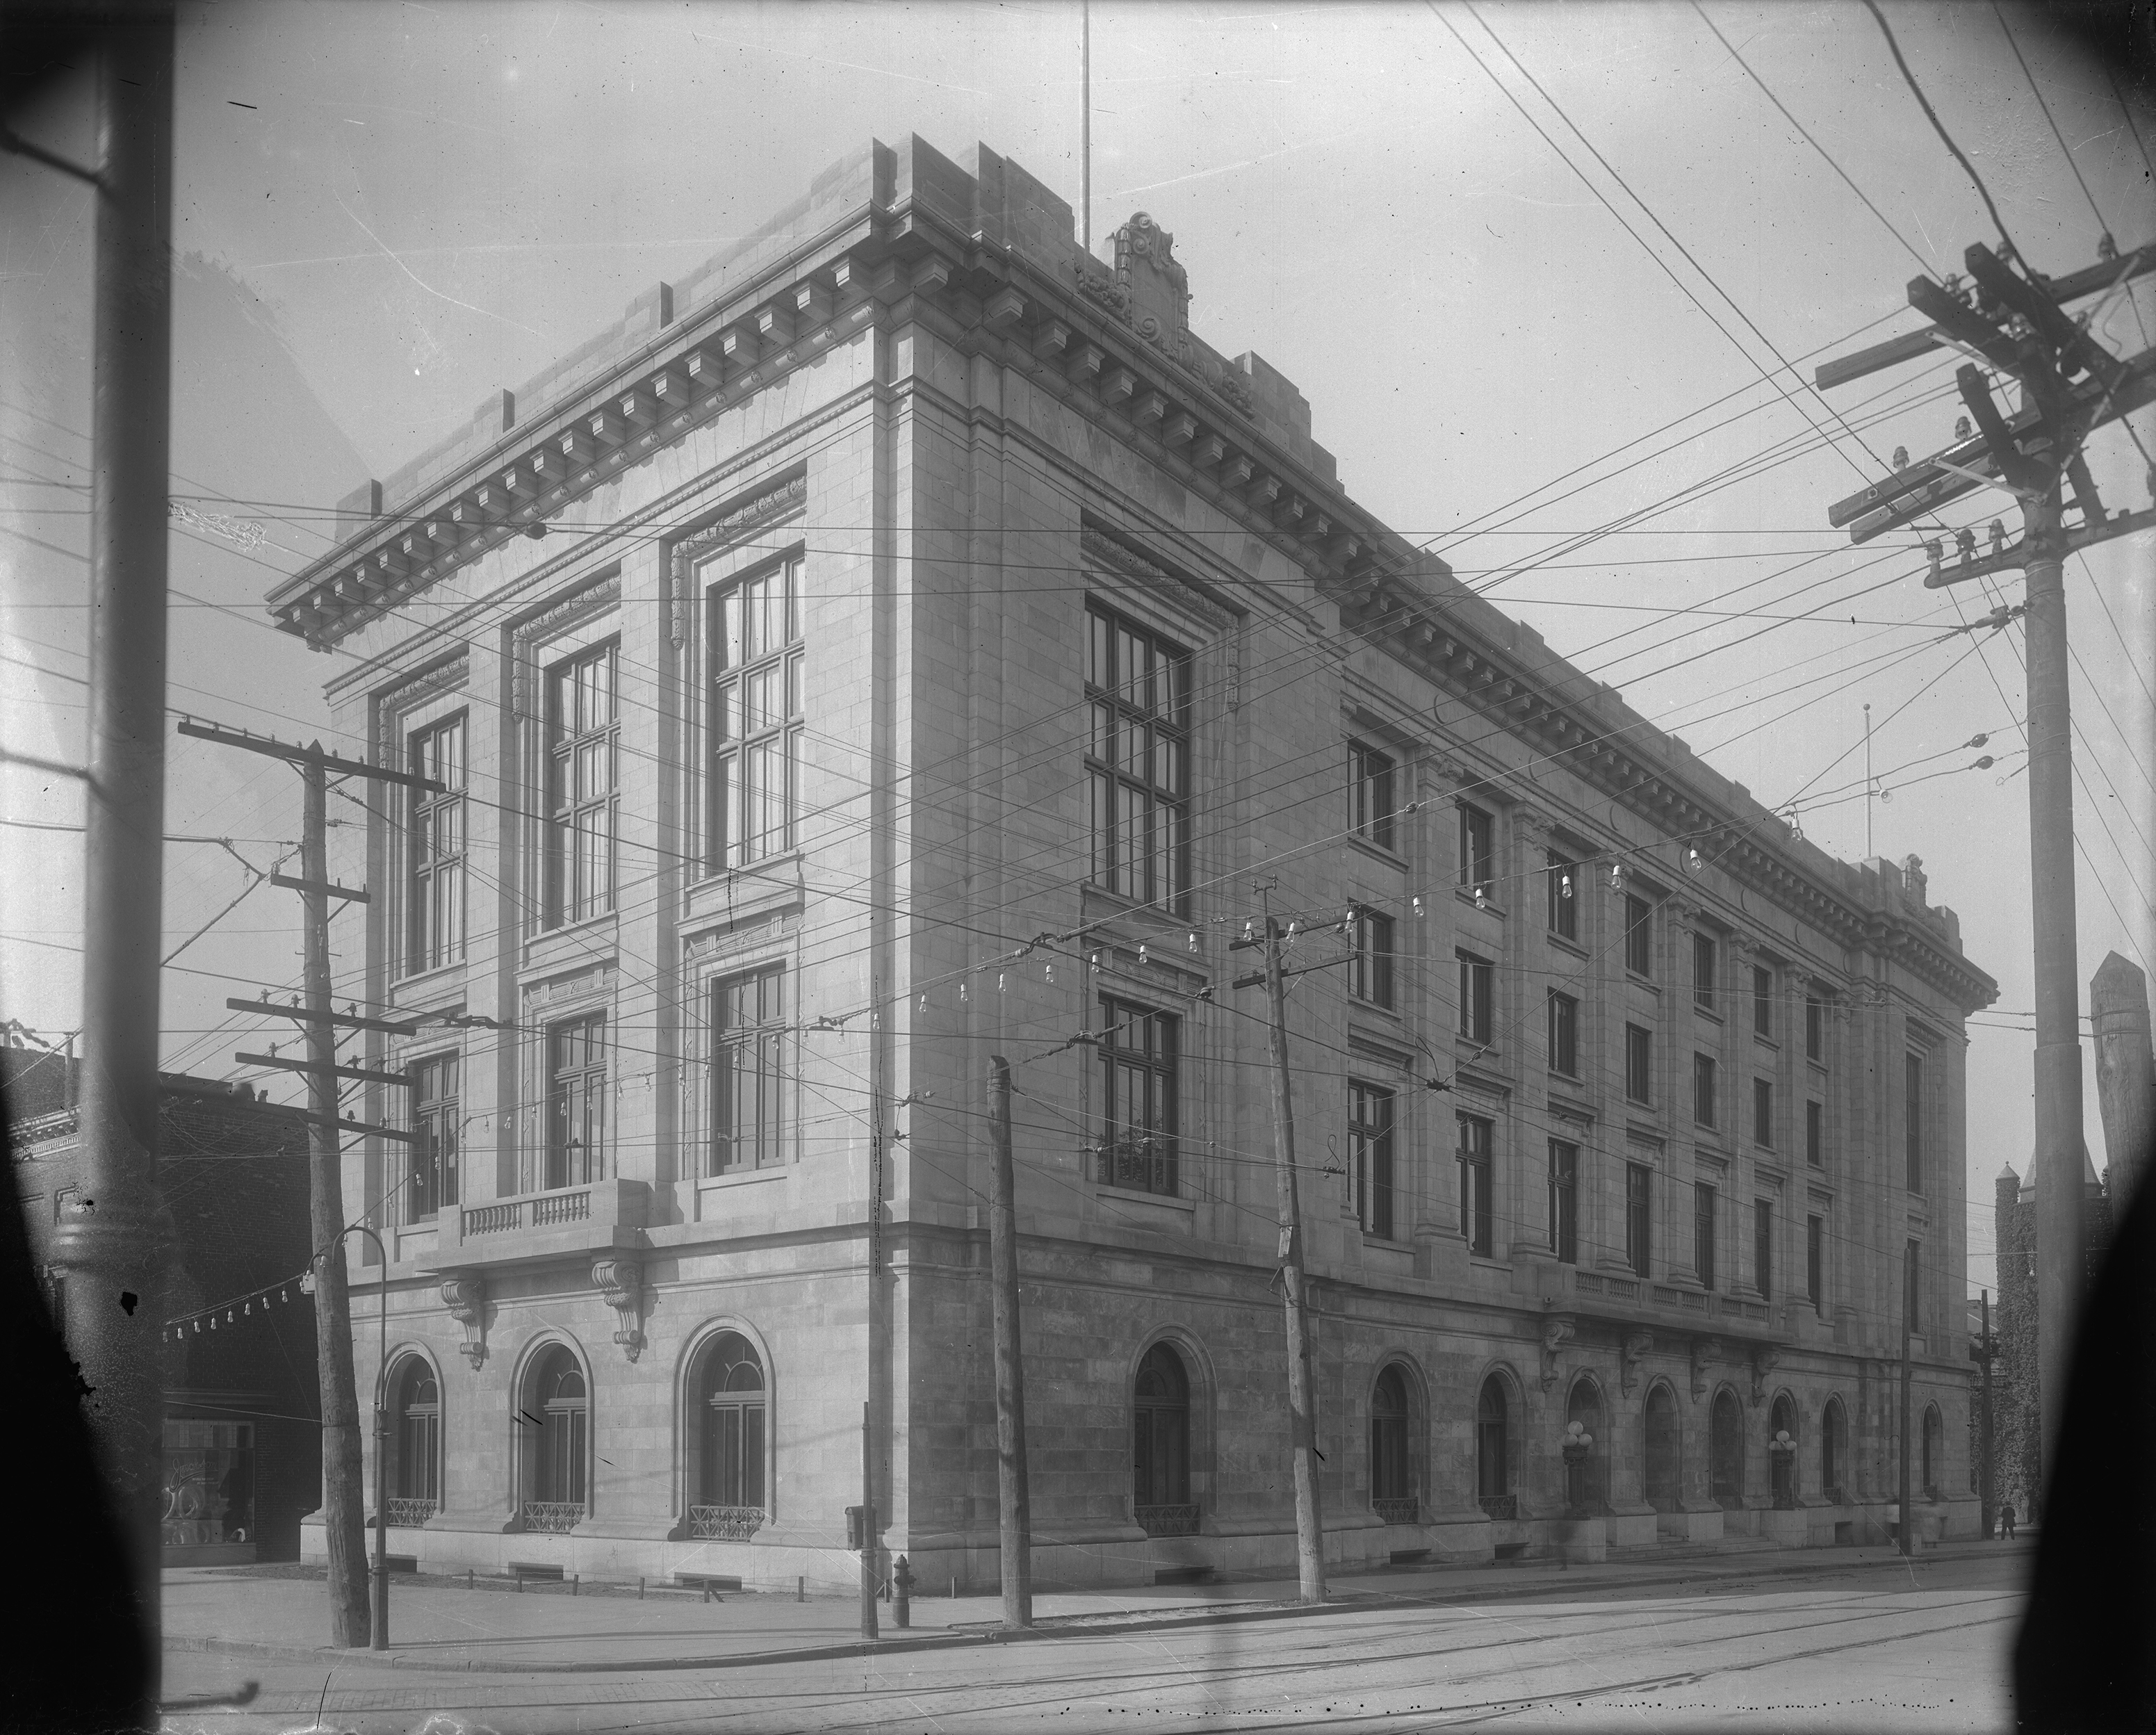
1138,1098
1370,957
1762,1112
576,1101
1762,1246
1370,775
1702,972
1639,1217
1370,1157
582,730
1702,1233
749,1073
1565,1200
1477,990
757,710
436,923
1762,1001
1563,1034
1815,1262
1639,1063
1638,936
1476,1205
1912,1293
1138,760
1564,897
1478,833
431,1182
1702,1088
1912,1121
1815,1134
1814,1028
419,1407
731,1455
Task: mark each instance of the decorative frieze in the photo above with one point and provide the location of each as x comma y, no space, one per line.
732,526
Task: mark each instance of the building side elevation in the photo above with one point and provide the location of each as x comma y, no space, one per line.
936,650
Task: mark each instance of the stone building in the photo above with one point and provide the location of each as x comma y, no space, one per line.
907,641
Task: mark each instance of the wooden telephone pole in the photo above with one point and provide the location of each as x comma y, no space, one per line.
1013,1500
2070,386
353,1623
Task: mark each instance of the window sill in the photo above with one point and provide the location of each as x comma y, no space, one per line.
740,1177
540,950
1121,905
761,867
422,983
1488,907
1171,1201
1371,847
1564,943
1760,1038
1648,982
1707,1012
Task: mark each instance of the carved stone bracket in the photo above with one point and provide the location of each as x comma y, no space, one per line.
1556,1334
1764,1360
1636,1346
1703,1351
465,1297
621,1282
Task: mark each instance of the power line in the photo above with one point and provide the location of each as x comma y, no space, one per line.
1945,137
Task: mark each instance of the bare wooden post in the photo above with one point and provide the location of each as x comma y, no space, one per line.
1013,1504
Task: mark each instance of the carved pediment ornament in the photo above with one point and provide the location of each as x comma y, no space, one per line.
1556,1332
465,1297
620,1283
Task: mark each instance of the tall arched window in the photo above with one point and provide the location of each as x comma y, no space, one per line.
1781,1466
1935,1450
729,1392
1664,1443
1583,1474
1392,1493
1493,1446
557,1419
1725,1448
1833,1443
415,1403
1160,1445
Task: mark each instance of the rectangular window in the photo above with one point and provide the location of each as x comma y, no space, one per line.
1702,972
1563,1035
1564,897
1702,1088
1138,760
436,925
1639,1217
1913,1293
750,1076
576,1101
1477,848
1475,1211
1370,793
1564,1200
583,731
1763,1246
1702,1233
1912,1116
1815,1262
1370,957
1638,936
1138,1098
1814,1028
1639,1064
1762,1113
432,1181
1815,1134
1370,1157
757,715
1762,1001
1476,993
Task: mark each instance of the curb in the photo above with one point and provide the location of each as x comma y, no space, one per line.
1056,1627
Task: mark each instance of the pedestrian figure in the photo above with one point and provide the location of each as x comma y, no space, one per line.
2006,1523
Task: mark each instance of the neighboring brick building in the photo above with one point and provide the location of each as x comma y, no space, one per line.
242,1461
937,650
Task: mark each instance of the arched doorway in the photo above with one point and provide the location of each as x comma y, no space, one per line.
556,1419
727,1411
1782,1465
415,1472
1834,1451
1935,1450
1583,1470
1664,1447
1725,1449
1392,1491
1160,1445
1493,1448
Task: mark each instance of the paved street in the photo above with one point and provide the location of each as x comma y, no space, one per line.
1871,1646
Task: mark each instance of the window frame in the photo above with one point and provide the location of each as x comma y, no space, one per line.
1814,1132
1564,1033
435,880
1763,1247
1478,999
1705,1197
436,1123
1372,795
1815,1027
1475,1152
1564,1200
1706,971
1640,1217
1371,936
734,614
1478,850
772,1071
1112,710
1914,1122
566,903
1705,1090
1158,1061
1372,1117
1815,1262
1762,1113
566,1087
1639,936
1639,1065
1562,916
1762,1001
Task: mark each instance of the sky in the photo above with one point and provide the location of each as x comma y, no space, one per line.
1552,278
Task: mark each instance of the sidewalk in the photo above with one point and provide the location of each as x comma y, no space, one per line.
440,1625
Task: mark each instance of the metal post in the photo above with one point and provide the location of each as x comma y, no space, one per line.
343,1500
1907,1527
116,1253
1309,1521
381,1622
868,1534
1013,1503
2060,1259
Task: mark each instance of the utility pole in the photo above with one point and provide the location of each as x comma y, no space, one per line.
1906,1531
117,1254
1014,1504
1309,1519
2070,386
1983,1351
344,1494
868,1528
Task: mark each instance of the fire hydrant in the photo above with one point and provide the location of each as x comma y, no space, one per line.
901,1592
